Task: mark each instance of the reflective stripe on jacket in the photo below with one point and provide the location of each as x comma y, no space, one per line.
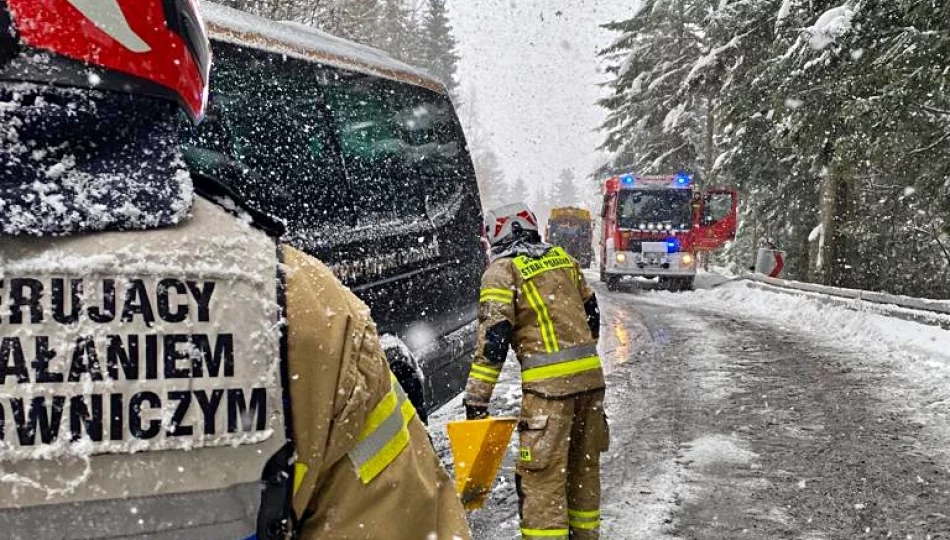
543,302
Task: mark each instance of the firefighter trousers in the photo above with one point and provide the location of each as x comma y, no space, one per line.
558,473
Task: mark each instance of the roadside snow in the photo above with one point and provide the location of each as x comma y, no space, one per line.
916,357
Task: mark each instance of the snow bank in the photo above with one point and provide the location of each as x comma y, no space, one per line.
827,324
916,357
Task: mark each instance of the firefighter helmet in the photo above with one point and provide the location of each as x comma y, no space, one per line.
157,48
502,223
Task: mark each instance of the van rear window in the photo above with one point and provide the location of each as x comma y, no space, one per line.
327,149
268,121
399,143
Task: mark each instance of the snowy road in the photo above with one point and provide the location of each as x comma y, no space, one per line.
738,413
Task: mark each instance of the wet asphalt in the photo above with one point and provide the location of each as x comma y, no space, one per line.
724,428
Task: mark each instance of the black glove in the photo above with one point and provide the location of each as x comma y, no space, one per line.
475,412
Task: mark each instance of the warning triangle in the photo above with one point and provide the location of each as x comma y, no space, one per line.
478,447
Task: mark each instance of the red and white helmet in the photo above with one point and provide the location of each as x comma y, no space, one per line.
157,48
503,222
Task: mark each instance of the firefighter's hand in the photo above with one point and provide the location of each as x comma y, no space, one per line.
475,412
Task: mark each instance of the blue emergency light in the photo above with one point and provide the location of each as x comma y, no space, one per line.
673,245
683,180
627,180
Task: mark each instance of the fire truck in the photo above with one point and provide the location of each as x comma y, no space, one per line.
655,227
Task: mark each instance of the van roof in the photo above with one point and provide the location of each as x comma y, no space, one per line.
305,42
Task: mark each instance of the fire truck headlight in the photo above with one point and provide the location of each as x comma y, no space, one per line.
643,226
621,258
687,259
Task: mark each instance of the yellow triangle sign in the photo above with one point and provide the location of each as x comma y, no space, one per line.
478,447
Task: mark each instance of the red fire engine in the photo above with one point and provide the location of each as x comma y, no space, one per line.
654,227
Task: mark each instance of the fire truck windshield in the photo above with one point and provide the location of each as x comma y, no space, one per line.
660,206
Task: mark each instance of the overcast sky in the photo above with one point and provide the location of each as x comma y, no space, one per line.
530,69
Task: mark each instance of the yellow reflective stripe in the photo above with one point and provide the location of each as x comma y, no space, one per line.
379,414
505,296
544,318
585,525
563,369
580,514
486,378
545,533
584,520
486,370
537,310
385,435
300,472
484,373
392,450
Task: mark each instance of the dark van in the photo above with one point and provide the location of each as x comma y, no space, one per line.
364,160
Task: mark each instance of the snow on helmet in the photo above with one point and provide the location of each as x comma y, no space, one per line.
503,222
157,48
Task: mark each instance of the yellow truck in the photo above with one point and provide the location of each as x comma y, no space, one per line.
572,229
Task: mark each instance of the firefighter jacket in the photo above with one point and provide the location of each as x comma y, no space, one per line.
153,382
544,309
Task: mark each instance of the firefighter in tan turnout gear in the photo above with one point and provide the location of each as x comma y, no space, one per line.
535,299
168,369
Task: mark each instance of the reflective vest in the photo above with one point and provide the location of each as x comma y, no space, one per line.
140,381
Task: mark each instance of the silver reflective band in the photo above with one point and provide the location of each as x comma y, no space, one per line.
574,353
380,447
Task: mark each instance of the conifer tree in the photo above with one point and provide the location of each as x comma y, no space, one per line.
830,116
564,192
440,54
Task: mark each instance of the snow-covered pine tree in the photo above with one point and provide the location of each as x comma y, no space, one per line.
653,124
439,52
564,192
823,112
490,176
520,192
858,82
778,201
396,30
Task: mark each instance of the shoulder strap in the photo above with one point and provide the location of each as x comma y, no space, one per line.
276,519
220,194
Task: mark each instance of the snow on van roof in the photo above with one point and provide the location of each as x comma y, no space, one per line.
308,43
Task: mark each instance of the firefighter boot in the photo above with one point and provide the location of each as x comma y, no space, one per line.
545,430
589,437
